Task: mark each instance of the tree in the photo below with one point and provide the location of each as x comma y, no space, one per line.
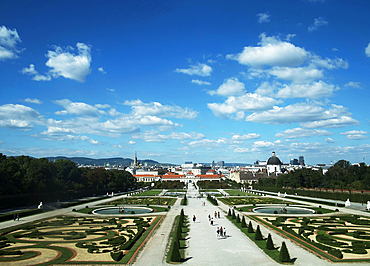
284,254
243,225
258,235
250,227
269,243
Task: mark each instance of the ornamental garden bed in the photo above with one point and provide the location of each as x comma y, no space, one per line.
75,240
338,238
168,201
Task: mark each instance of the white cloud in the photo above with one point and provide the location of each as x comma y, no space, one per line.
18,116
102,70
296,133
367,50
72,66
318,22
199,69
328,63
131,142
301,113
353,84
329,140
355,134
296,74
111,90
341,121
29,100
313,90
157,109
231,86
200,82
32,71
154,136
234,107
77,108
8,41
271,52
289,37
263,17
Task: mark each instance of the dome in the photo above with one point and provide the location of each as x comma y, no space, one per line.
273,160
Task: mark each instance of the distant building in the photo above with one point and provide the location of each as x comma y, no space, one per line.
294,161
274,164
221,163
301,160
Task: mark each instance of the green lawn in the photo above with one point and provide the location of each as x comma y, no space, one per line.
235,192
153,192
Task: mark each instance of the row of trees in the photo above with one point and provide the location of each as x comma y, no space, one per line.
21,175
342,175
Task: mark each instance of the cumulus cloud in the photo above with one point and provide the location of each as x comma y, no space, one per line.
329,140
231,86
340,121
200,82
313,90
36,76
263,17
234,107
301,113
77,108
68,65
100,69
157,109
355,134
18,116
296,133
8,43
318,22
199,69
353,84
29,100
271,52
155,136
297,74
367,50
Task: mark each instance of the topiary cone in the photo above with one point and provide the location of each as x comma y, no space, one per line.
284,254
176,257
269,243
243,225
238,219
229,213
258,235
250,227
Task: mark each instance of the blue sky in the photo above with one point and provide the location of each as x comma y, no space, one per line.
179,81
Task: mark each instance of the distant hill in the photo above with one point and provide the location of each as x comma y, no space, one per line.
103,161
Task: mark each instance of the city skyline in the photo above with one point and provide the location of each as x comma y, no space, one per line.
186,81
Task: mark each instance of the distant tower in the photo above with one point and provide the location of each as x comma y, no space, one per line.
301,160
135,160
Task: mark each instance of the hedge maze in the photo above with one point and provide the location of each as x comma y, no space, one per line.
74,240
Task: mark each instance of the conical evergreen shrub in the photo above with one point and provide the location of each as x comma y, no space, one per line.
269,243
229,213
175,256
238,219
284,254
243,225
234,217
258,235
250,227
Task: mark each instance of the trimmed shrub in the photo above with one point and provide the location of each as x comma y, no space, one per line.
258,235
243,225
250,227
233,215
238,219
269,243
175,256
117,256
336,253
229,213
284,254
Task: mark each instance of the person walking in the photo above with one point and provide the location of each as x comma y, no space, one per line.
218,214
218,233
221,232
224,232
212,221
215,214
194,218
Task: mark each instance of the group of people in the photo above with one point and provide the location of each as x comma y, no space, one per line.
221,232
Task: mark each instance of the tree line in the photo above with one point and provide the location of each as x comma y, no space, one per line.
23,174
342,175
